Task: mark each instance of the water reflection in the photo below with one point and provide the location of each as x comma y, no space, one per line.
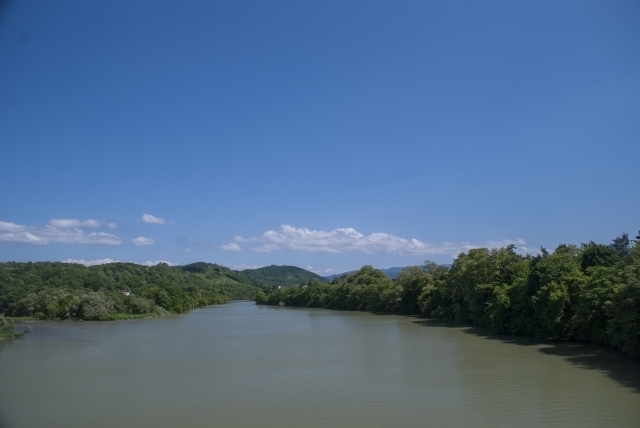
619,367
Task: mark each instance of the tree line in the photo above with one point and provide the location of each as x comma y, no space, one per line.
587,293
53,290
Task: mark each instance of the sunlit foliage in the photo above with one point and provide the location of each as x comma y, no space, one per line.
72,291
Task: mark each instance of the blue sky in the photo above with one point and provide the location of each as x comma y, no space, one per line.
321,134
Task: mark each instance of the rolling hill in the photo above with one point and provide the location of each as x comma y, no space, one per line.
281,275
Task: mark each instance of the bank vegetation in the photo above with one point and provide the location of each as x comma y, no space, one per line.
589,293
54,290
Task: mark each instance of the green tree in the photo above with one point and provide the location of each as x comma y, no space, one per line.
543,306
434,300
593,306
410,284
96,306
624,324
6,325
621,245
473,279
593,254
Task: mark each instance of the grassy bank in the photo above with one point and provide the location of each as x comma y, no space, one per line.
11,335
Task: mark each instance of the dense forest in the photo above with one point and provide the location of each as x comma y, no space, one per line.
390,272
588,293
285,276
48,290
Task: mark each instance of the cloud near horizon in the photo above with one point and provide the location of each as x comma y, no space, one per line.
149,218
141,240
234,266
107,261
58,230
350,240
321,272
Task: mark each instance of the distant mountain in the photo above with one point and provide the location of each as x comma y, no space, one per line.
392,272
281,275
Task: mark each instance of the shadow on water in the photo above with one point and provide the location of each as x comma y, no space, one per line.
617,366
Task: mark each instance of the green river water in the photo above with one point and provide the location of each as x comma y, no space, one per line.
243,365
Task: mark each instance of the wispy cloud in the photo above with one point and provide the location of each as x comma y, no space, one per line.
231,247
56,230
157,262
74,222
350,240
241,266
141,240
178,250
321,272
148,218
107,261
91,262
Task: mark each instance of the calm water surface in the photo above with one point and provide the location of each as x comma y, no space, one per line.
243,365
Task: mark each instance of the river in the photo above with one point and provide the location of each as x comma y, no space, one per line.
244,365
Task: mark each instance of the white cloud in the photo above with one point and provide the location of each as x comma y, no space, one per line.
76,236
67,234
11,227
241,266
148,218
246,239
141,240
107,261
157,262
321,272
74,222
231,247
11,232
348,240
91,262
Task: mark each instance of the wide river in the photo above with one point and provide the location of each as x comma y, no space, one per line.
243,365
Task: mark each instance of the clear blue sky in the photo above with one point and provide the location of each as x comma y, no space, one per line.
256,132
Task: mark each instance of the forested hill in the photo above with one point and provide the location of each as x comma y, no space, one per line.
54,290
216,272
392,272
285,276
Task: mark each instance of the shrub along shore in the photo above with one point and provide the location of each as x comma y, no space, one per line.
7,329
589,293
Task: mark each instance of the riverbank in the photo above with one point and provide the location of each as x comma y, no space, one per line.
589,294
11,335
57,291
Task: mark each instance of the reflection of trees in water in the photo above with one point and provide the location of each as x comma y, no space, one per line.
617,366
